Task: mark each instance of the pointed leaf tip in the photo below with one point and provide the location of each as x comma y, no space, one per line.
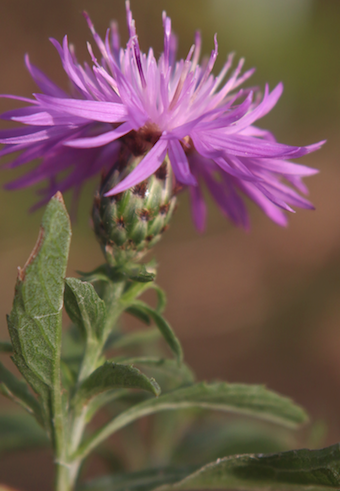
59,197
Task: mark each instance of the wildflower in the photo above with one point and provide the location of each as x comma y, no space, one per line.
129,101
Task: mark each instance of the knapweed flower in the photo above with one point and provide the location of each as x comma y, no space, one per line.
159,109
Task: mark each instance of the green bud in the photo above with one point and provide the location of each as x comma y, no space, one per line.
129,224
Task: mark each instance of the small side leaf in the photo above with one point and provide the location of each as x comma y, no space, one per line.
140,274
169,368
17,390
102,273
168,334
139,314
84,307
137,338
252,400
297,470
114,376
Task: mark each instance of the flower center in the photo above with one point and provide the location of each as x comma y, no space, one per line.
141,141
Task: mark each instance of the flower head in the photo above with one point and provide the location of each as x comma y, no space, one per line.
153,108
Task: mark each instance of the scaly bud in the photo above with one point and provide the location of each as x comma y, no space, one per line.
129,224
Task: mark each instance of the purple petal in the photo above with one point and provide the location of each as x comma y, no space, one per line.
179,163
144,169
272,211
284,167
31,137
102,139
20,112
267,104
106,112
43,82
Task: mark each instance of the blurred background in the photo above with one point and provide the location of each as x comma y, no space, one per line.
257,307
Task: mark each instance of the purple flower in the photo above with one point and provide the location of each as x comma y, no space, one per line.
128,99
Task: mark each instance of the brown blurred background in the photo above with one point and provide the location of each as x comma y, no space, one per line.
257,307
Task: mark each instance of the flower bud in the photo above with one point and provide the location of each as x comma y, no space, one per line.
130,223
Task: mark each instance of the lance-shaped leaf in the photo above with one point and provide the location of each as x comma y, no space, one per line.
140,312
35,320
180,374
137,481
168,334
297,470
84,307
17,390
216,438
253,400
114,376
135,339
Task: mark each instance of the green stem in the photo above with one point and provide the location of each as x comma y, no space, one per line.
67,442
67,468
66,475
58,420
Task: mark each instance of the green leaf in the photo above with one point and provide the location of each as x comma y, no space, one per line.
252,400
136,272
139,273
84,307
35,320
139,314
168,334
17,391
297,470
136,481
102,273
169,368
104,398
114,376
208,440
136,338
161,297
19,431
6,347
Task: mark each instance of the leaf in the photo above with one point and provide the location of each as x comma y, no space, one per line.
35,320
18,431
136,272
252,400
114,376
136,338
17,390
6,347
84,307
104,398
134,290
161,296
208,441
136,481
296,470
170,368
168,334
139,273
139,314
102,273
